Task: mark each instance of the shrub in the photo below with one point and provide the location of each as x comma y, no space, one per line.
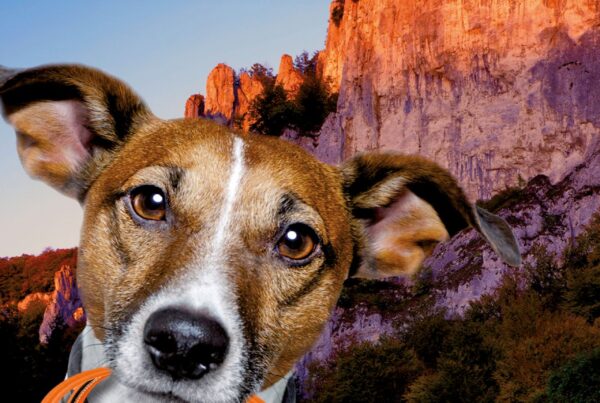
306,64
271,111
313,103
368,373
576,381
337,14
528,361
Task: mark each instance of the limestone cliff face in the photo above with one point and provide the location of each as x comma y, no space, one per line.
493,91
64,306
194,106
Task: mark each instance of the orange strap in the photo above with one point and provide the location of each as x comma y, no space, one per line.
81,385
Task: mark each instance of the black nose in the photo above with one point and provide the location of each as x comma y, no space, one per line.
184,343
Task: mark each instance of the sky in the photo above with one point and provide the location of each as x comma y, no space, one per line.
163,49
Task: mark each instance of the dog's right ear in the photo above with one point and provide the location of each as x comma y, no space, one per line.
69,119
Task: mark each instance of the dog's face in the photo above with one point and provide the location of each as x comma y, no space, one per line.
210,260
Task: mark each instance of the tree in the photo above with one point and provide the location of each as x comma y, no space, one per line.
263,73
271,111
306,64
313,103
577,381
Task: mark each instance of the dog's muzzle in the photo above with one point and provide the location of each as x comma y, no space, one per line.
185,344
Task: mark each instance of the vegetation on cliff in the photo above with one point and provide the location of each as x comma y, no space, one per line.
305,110
537,338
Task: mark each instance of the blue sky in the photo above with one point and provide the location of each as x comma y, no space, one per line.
164,50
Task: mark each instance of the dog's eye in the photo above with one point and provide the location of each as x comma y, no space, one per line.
149,202
297,242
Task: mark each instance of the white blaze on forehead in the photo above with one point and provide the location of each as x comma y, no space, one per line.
235,178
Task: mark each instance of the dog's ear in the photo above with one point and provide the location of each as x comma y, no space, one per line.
404,206
68,119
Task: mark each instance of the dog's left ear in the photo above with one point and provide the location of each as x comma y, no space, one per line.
69,120
404,206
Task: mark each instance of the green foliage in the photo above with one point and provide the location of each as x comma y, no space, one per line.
576,381
306,64
535,339
313,103
583,280
271,111
262,73
465,365
367,373
426,337
274,110
546,278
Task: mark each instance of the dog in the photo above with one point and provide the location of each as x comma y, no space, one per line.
210,259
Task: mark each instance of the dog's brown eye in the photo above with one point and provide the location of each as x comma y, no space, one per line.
149,203
297,242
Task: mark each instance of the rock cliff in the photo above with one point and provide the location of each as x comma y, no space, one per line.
64,306
249,88
288,77
220,94
194,106
494,91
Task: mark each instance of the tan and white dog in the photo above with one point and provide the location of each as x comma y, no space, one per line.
211,259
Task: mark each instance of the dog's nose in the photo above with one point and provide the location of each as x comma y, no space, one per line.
183,343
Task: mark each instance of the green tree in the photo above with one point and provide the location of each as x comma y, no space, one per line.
368,372
313,103
271,111
576,381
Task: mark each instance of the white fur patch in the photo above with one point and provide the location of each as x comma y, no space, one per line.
232,189
203,287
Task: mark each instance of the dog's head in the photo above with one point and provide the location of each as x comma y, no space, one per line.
209,259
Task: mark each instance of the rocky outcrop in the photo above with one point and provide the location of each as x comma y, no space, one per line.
220,94
64,307
249,88
194,106
288,77
228,97
546,214
493,91
32,299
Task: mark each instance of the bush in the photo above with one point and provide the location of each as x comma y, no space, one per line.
577,381
271,111
367,373
465,366
306,64
313,103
